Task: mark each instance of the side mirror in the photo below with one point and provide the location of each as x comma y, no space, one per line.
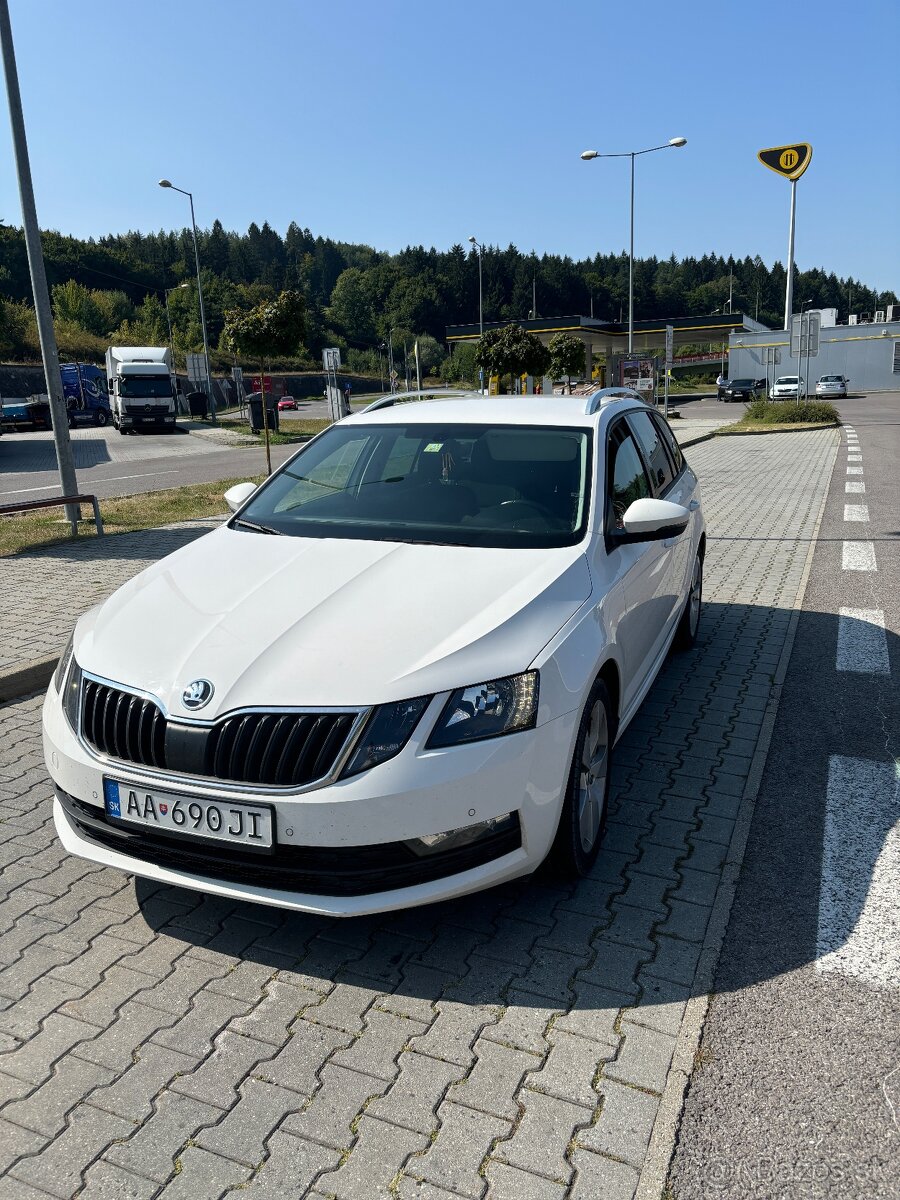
238,496
649,520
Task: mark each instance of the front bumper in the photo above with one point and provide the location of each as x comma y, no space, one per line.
339,848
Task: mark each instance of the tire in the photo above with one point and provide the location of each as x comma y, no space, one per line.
689,624
102,418
583,815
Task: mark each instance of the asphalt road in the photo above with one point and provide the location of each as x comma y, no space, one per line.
797,1086
110,465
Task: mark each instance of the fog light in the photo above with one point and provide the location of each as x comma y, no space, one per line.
453,839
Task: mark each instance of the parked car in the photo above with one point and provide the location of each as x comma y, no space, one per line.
739,389
287,402
833,386
466,600
787,387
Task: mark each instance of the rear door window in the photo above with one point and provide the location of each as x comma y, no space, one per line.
649,437
671,441
627,478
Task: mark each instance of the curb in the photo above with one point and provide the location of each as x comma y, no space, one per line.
665,1128
30,677
695,441
763,432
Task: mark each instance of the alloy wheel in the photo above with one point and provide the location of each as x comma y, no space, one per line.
592,776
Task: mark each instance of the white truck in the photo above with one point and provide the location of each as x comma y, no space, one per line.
141,388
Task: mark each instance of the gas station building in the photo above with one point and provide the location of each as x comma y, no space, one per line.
610,338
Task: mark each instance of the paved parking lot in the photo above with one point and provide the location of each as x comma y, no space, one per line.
516,1044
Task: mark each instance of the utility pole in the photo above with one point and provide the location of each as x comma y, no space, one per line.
43,311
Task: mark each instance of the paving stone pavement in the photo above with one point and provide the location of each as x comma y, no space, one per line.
156,1042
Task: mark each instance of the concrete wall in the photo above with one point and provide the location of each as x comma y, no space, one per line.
864,353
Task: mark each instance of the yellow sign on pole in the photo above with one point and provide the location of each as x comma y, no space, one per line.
788,161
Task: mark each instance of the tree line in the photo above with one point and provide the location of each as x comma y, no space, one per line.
113,290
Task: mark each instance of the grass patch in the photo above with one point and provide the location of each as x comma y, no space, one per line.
121,515
767,416
291,431
791,412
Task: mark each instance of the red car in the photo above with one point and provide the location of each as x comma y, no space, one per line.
286,402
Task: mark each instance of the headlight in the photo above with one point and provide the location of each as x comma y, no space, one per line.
488,710
63,665
387,732
72,695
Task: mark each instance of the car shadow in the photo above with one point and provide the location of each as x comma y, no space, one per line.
36,453
630,935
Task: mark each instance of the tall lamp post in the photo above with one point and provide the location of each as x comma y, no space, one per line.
164,183
478,246
42,309
633,154
177,288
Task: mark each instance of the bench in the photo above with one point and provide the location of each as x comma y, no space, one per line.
56,501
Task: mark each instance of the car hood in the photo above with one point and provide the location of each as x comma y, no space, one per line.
328,622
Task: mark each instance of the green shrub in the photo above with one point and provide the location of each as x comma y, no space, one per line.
791,412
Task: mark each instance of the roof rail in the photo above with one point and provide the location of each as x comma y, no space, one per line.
405,397
607,395
425,394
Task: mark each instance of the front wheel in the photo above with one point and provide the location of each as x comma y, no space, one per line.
689,625
101,417
583,813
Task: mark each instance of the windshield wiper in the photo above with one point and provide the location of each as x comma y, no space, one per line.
241,523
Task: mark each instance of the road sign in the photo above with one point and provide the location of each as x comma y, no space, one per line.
197,370
331,358
789,161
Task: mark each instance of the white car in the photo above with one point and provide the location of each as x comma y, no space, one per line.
397,673
787,387
833,385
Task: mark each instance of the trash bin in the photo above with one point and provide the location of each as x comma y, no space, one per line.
254,403
197,405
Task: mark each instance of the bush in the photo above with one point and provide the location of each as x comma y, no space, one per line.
792,412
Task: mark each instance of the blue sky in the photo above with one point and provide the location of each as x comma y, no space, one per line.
401,123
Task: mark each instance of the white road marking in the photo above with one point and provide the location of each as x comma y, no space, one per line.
854,471
854,458
24,491
862,643
854,487
858,556
858,933
856,512
109,479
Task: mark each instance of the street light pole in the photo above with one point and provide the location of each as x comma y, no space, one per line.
675,142
176,288
164,183
478,246
43,311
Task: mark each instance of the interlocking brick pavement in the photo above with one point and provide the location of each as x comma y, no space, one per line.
156,1042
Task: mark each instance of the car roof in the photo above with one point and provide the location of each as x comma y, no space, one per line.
473,409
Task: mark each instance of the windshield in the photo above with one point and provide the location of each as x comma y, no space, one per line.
144,386
742,383
786,379
449,485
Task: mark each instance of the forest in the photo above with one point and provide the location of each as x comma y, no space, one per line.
116,289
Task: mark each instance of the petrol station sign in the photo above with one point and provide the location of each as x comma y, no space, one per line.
788,161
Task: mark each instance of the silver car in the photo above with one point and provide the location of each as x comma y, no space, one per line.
833,386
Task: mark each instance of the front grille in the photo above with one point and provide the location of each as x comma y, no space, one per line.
324,871
267,749
147,410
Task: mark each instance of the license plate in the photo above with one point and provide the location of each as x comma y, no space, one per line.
243,824
149,420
